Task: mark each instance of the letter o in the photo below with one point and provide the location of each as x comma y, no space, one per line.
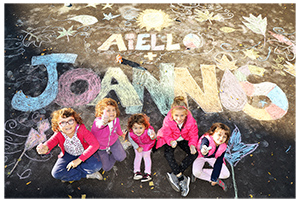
67,98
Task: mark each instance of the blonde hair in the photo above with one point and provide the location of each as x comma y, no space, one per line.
179,103
64,113
104,103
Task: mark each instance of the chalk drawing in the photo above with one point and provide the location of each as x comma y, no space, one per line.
153,19
232,94
38,36
150,56
193,41
67,98
170,45
107,5
153,43
123,89
33,139
109,16
257,25
66,33
224,63
251,53
162,92
27,103
130,37
185,84
129,13
85,20
13,47
140,44
236,150
114,39
205,15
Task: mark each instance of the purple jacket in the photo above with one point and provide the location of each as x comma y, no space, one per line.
103,135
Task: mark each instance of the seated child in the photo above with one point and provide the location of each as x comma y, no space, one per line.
211,148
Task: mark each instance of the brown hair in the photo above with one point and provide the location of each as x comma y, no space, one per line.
64,113
222,126
139,119
104,103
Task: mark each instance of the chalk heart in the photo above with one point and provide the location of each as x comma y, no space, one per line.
232,94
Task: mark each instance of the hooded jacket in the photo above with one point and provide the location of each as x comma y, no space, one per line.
144,140
170,130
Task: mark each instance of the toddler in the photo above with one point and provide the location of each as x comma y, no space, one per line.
106,128
142,137
211,148
179,129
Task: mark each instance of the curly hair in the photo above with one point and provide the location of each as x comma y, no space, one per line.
64,113
104,103
222,126
139,119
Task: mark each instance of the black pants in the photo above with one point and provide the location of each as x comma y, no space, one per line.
186,162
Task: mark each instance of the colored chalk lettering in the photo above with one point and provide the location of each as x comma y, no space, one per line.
114,39
25,103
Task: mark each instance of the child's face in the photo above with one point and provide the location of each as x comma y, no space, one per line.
67,125
111,112
179,115
219,136
138,129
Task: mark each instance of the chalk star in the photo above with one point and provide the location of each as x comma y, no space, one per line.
66,33
225,63
107,5
109,16
263,102
150,56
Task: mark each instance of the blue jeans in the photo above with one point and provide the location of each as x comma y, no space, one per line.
89,166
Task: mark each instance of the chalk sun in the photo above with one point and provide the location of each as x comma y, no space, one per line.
153,19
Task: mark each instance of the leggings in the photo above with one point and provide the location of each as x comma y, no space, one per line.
186,162
138,159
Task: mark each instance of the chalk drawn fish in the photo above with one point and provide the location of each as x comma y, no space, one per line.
282,38
235,151
85,19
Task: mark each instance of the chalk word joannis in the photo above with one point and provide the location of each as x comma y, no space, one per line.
173,81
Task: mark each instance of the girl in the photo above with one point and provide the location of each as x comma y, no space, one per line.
106,128
179,129
142,138
77,146
211,148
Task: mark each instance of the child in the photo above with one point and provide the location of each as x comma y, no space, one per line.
179,128
142,137
77,145
106,128
211,148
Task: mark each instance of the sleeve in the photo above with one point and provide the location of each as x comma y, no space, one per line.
52,142
217,168
98,120
119,129
167,132
193,133
134,144
90,139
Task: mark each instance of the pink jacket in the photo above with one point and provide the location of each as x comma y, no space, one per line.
170,131
220,151
144,140
86,138
103,135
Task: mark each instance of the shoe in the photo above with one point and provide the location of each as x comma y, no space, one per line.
185,186
173,181
137,176
95,175
147,177
222,184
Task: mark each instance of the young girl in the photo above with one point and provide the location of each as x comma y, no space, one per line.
211,148
142,137
106,128
179,129
77,145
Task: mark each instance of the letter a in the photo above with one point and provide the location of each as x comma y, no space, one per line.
115,39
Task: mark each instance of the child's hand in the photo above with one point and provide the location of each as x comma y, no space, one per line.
205,150
99,123
74,164
140,149
42,149
152,135
193,149
173,143
124,134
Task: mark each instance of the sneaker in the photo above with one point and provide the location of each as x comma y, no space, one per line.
185,186
222,184
147,177
137,176
173,181
95,175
